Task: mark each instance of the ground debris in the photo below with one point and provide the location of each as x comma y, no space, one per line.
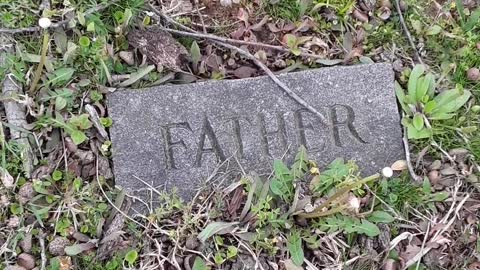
159,47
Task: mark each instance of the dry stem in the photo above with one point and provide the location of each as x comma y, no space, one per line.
407,33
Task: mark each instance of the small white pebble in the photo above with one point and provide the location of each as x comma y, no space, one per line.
44,23
387,172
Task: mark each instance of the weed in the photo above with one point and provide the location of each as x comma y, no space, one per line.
423,108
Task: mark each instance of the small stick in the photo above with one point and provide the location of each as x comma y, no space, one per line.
411,171
201,17
274,78
41,240
407,33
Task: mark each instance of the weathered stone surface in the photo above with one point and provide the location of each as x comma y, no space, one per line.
175,135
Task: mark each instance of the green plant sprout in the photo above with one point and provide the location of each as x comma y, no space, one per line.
422,106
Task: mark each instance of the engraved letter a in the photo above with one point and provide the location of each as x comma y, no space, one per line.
207,131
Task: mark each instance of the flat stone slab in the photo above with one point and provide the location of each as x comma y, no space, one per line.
176,135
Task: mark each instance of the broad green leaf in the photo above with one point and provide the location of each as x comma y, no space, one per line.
417,71
134,77
294,245
402,99
91,27
195,53
60,103
430,106
131,256
215,228
439,196
329,62
413,133
380,217
277,187
78,248
57,175
280,168
199,264
366,60
426,186
473,20
416,25
299,167
60,39
434,30
418,122
78,136
80,121
219,258
441,116
449,101
368,228
231,252
460,10
431,87
425,86
81,18
61,75
290,40
296,51
70,53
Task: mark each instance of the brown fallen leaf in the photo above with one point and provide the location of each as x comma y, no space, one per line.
7,180
289,265
399,165
159,46
244,72
357,14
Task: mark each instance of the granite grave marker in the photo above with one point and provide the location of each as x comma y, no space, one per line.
176,135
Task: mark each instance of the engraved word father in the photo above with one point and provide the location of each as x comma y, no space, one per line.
279,133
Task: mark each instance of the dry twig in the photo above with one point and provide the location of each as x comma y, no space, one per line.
407,33
411,170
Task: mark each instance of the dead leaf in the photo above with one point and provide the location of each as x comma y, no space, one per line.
127,57
65,262
273,28
410,252
159,46
289,265
384,13
243,16
260,24
474,266
390,264
399,165
7,180
218,227
237,34
78,248
359,15
244,72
